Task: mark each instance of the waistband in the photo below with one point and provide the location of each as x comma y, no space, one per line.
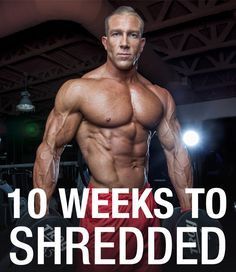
121,195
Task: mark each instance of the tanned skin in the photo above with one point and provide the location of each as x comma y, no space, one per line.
111,111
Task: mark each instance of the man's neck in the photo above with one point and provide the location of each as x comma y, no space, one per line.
113,72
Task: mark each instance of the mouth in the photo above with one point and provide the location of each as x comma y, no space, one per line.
123,56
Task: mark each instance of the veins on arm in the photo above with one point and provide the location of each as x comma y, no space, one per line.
178,161
61,127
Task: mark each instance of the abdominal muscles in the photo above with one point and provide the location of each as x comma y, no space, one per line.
116,157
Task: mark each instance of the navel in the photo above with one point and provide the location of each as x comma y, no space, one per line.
134,165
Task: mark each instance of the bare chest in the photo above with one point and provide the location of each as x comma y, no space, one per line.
118,105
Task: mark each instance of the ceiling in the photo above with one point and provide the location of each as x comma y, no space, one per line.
191,51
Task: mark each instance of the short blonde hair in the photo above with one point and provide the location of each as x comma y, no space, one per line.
124,10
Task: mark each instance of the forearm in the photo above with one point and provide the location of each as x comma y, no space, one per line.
46,170
180,173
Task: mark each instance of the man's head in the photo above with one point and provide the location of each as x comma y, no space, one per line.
123,41
124,10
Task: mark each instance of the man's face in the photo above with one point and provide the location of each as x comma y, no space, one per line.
123,42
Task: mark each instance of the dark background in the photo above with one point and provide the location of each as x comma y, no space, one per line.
190,51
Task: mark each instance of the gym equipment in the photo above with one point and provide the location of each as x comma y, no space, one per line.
6,215
6,206
185,219
49,222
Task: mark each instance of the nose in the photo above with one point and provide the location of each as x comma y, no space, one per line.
124,43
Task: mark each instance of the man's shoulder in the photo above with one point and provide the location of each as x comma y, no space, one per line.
76,85
163,94
88,81
159,91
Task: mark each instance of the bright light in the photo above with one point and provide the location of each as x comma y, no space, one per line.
191,138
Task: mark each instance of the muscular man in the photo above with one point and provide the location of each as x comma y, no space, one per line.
111,111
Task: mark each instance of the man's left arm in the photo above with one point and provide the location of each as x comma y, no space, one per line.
178,161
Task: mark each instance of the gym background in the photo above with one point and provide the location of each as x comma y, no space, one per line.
43,44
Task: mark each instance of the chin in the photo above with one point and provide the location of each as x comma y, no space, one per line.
125,66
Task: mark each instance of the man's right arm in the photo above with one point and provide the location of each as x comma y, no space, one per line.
61,126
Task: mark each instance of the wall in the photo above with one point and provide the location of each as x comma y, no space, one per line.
197,112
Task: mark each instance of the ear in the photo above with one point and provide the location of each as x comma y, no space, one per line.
104,42
143,41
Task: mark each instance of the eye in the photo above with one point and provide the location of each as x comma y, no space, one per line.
134,35
115,34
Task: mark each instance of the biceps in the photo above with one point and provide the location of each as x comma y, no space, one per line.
175,151
61,128
169,134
